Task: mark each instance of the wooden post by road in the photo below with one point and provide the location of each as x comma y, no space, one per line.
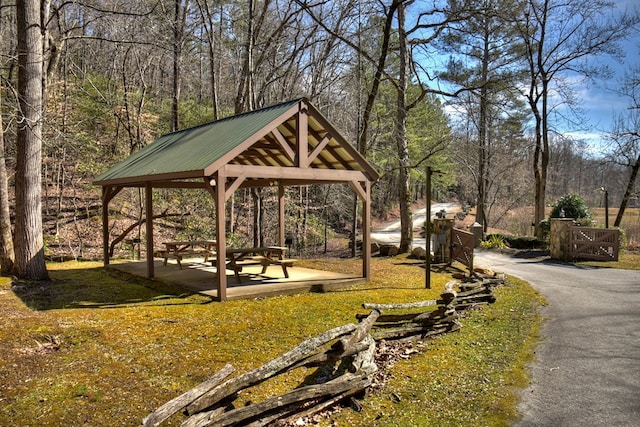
427,255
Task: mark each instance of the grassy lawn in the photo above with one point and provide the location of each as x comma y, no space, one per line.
101,348
626,261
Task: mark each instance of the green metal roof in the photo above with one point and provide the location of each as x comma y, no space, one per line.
269,137
193,149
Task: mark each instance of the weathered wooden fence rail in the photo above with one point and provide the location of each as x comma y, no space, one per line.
352,347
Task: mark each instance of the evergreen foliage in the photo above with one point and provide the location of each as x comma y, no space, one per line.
571,206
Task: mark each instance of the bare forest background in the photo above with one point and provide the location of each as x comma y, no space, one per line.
484,91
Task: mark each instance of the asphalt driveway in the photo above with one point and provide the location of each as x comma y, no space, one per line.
587,366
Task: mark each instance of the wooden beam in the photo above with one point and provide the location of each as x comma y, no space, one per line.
148,192
303,139
179,184
371,173
232,154
141,181
316,151
233,187
357,187
108,193
346,163
284,173
317,136
365,195
105,224
211,188
284,144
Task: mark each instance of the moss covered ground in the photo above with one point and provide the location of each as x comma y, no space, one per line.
102,348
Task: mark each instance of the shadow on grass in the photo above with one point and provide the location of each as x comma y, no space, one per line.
100,287
544,257
435,267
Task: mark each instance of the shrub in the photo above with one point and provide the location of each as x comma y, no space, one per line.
524,242
572,206
623,238
545,229
494,241
502,241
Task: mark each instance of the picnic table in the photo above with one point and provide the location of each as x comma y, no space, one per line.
265,256
179,250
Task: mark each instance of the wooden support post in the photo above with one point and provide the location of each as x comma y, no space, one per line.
148,191
281,204
221,239
108,193
105,224
366,232
427,256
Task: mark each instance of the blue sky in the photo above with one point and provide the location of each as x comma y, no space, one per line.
599,100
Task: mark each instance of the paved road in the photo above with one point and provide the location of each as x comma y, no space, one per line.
390,233
587,367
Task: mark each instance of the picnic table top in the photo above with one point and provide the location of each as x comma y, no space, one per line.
258,249
190,242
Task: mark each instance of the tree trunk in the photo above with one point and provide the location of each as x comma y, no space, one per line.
483,133
7,255
542,160
244,96
178,44
627,193
406,216
207,22
29,248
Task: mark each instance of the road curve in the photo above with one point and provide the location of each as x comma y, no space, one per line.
587,366
390,233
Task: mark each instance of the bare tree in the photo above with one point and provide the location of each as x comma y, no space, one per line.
181,9
561,37
415,41
29,245
625,140
245,95
213,40
7,255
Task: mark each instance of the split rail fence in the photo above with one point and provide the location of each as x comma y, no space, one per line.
348,352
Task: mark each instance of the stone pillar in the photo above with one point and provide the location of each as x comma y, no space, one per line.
559,238
476,230
442,239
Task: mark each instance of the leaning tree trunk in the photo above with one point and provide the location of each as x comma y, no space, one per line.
29,248
7,255
627,194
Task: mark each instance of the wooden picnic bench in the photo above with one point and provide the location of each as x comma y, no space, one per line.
180,250
264,256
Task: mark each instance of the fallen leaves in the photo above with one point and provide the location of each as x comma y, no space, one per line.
49,344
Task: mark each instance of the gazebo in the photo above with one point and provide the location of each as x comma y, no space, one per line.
289,144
